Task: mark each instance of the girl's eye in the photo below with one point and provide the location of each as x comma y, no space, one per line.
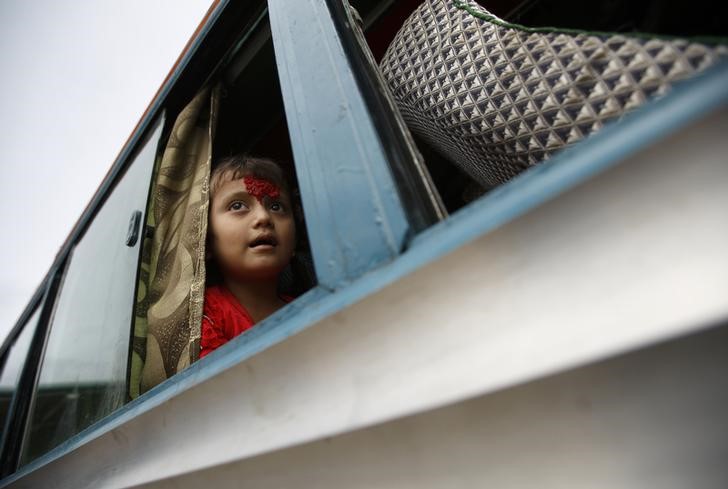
237,205
276,207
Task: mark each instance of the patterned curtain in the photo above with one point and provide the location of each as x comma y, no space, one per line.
172,281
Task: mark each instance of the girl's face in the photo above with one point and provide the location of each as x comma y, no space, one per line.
252,230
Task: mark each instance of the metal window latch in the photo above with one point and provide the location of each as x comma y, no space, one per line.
132,234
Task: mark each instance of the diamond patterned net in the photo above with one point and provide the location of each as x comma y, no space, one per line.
496,99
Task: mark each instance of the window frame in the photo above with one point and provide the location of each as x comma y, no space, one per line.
16,423
370,227
420,198
149,142
47,295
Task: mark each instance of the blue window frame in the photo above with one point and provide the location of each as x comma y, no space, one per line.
83,374
354,211
12,368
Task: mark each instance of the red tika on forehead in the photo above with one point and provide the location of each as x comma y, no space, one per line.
259,188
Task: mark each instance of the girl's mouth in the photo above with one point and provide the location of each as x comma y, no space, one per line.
264,241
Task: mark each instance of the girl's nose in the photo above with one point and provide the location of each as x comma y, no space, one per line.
261,216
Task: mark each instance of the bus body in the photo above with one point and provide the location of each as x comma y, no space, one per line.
566,329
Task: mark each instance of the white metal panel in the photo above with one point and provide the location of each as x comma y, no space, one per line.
650,419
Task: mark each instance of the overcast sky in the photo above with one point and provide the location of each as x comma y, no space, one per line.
76,78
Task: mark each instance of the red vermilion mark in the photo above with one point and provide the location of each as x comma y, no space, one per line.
259,188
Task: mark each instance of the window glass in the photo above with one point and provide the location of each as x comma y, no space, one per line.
14,366
83,373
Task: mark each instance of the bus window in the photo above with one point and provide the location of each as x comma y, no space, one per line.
238,112
252,122
15,359
83,372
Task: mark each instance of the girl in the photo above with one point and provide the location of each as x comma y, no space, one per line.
251,238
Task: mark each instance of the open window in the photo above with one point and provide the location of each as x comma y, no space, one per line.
235,108
252,121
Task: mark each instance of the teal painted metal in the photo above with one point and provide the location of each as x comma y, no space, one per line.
354,215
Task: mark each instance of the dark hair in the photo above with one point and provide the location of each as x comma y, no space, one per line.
239,166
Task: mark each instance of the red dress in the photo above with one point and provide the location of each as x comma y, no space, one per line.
223,318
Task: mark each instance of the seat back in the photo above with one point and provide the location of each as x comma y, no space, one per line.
496,98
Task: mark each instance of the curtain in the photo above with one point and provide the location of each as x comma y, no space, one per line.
172,280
